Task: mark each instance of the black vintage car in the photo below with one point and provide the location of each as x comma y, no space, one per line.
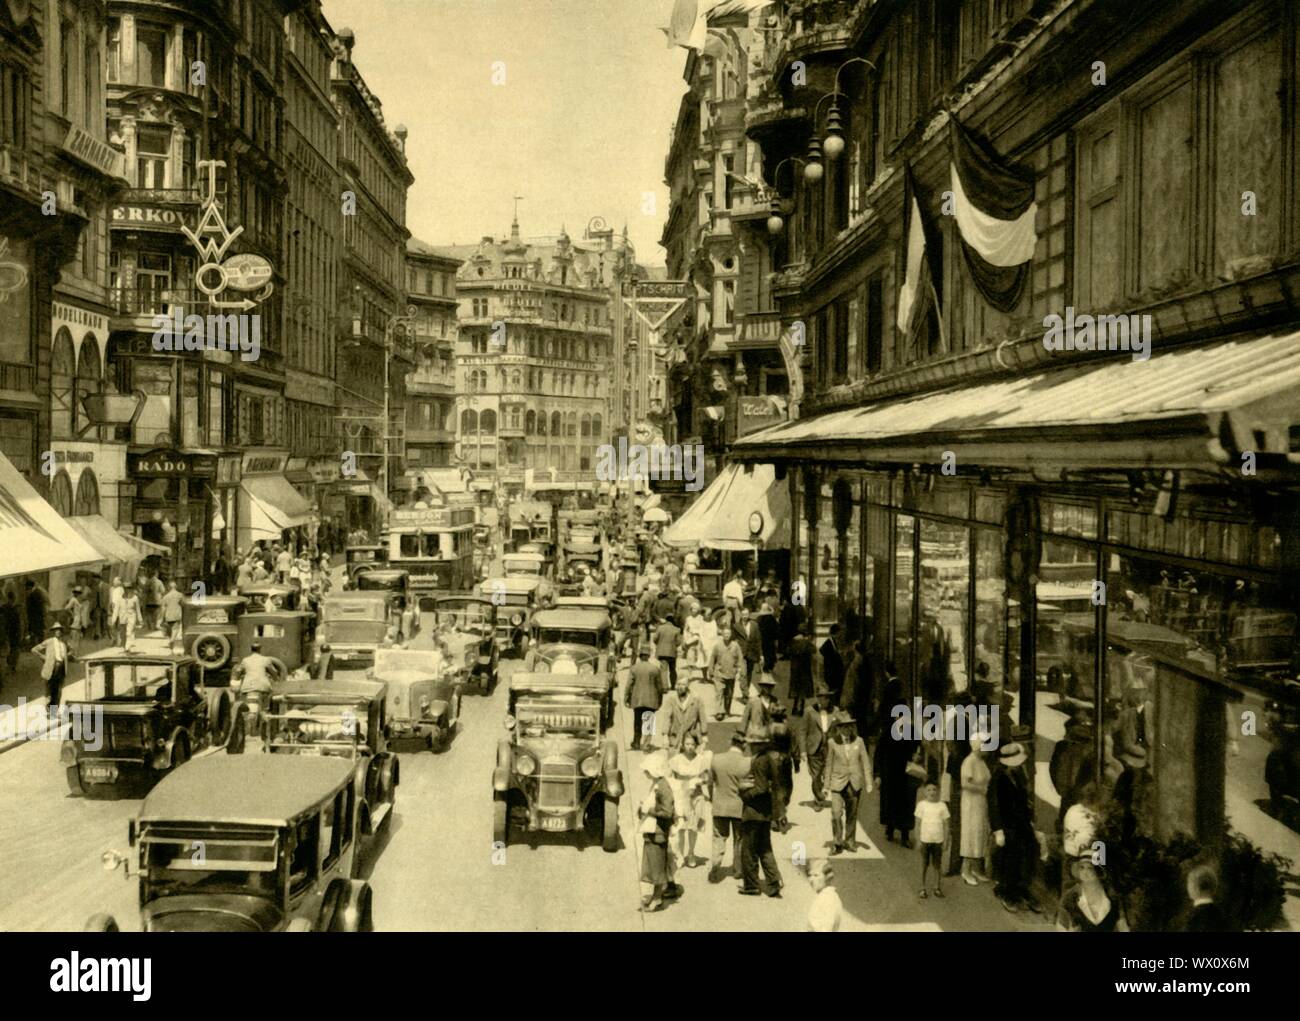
144,714
557,770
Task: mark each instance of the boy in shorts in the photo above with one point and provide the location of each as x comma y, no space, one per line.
932,820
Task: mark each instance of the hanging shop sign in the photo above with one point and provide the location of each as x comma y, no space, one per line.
212,239
259,462
164,463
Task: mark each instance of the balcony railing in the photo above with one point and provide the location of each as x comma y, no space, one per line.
165,196
152,301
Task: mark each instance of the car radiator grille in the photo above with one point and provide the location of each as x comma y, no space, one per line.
555,788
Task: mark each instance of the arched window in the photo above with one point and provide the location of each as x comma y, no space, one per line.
597,424
557,426
516,379
541,424
61,494
488,422
87,501
468,422
90,374
586,427
530,423
63,368
571,425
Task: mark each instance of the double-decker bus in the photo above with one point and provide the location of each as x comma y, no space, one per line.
436,546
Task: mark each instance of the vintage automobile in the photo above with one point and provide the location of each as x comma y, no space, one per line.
424,689
285,635
576,641
210,629
524,565
580,559
353,625
144,713
515,599
477,617
250,844
556,770
272,596
345,717
365,558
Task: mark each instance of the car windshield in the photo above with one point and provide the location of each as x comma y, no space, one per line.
536,717
206,864
128,681
516,568
475,617
302,723
570,636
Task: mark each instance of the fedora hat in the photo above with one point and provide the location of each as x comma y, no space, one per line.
840,718
1012,754
766,680
56,626
1135,756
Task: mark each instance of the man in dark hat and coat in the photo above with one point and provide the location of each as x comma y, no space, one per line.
756,817
1015,845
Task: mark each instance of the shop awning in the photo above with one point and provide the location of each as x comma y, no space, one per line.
115,547
1195,407
719,517
33,537
273,506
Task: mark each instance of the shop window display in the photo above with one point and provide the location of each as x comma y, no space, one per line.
945,610
990,606
904,530
826,564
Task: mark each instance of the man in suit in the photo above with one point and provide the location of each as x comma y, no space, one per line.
833,664
817,723
847,772
756,818
726,664
646,684
54,669
728,772
1011,822
801,654
682,713
751,644
767,634
667,638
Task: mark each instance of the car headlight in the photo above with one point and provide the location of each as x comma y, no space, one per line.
587,668
591,765
517,619
525,765
510,723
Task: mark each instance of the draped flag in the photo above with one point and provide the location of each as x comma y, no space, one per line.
919,274
994,207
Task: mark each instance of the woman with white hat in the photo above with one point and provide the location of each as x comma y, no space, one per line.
657,812
973,840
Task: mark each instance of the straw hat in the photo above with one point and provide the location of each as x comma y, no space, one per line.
1012,755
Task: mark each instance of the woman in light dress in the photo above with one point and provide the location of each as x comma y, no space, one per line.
974,837
689,777
691,658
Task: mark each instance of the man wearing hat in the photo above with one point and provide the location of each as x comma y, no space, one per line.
727,772
130,616
646,684
75,612
1012,823
758,710
682,713
767,634
817,723
55,666
847,771
756,817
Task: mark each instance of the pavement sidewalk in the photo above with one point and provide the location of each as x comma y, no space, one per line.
878,883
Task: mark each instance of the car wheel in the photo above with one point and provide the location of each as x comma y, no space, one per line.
500,820
100,923
219,720
609,836
212,650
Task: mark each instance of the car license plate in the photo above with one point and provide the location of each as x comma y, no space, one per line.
554,822
99,774
309,750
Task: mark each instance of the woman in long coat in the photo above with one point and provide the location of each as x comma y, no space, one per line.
893,752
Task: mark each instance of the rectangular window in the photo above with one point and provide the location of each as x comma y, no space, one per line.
67,69
840,353
114,36
152,147
875,326
150,54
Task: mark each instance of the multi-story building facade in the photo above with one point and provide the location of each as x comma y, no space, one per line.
1111,521
313,226
187,86
376,349
534,361
431,385
726,364
57,179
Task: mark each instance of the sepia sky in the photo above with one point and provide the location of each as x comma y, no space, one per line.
579,129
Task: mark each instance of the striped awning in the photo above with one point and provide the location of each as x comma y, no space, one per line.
33,537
